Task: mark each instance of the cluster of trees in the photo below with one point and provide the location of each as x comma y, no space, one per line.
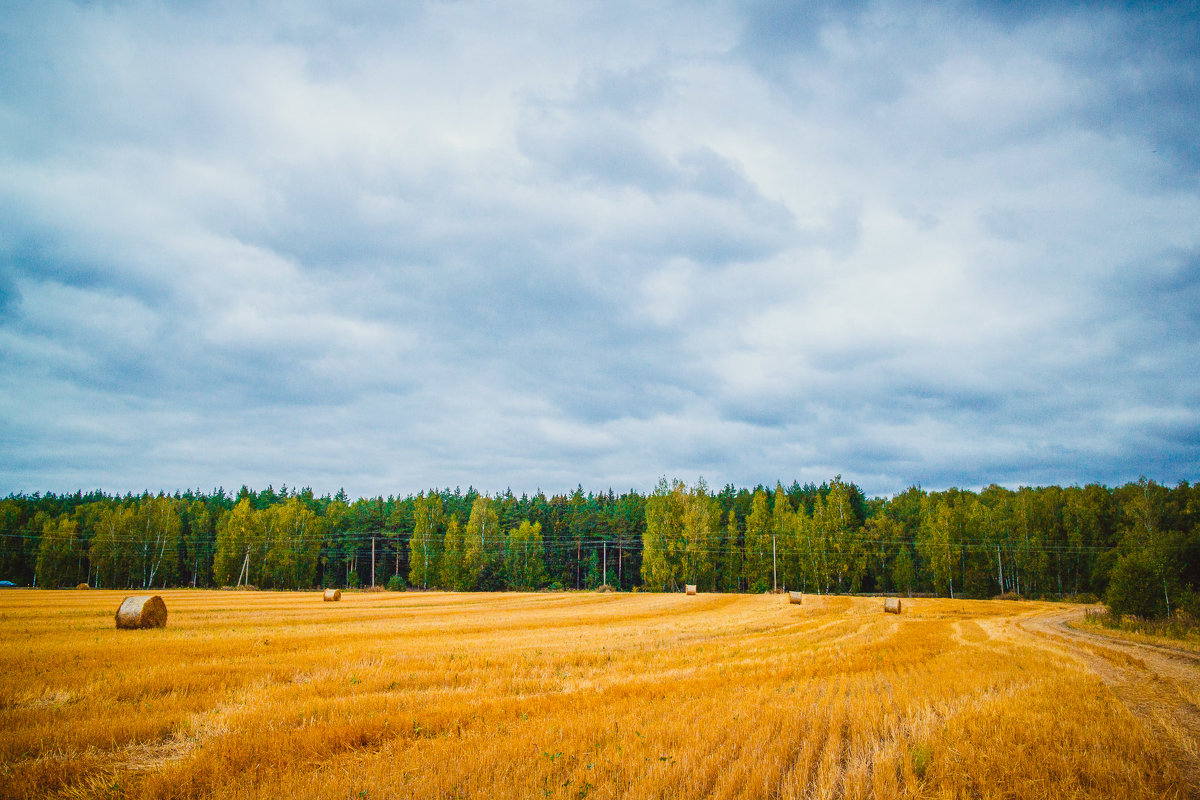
1138,544
290,539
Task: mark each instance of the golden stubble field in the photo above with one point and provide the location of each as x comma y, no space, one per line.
434,695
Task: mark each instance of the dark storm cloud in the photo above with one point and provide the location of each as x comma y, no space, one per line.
350,245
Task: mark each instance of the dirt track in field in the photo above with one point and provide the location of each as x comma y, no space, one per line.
1158,684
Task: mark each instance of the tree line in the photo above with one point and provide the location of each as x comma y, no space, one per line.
1138,543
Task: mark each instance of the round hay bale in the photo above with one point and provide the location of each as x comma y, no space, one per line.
891,605
690,588
142,611
83,586
333,594
796,598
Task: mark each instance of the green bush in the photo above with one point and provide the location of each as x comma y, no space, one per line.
1180,625
396,583
1136,588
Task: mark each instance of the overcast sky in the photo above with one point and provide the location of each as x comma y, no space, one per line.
541,244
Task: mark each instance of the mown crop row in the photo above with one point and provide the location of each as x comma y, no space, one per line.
557,695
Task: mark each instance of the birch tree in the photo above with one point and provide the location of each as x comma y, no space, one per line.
757,561
453,576
240,540
425,547
482,544
678,543
156,529
58,554
292,536
525,567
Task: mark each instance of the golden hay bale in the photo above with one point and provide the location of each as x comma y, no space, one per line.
690,588
796,598
83,586
891,605
333,594
142,611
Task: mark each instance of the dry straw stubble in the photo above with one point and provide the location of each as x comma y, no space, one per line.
511,696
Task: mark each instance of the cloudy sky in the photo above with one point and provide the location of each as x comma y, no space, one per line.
535,244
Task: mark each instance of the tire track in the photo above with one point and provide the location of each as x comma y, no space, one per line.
1159,684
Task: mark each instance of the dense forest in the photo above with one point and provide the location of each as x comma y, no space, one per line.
1138,544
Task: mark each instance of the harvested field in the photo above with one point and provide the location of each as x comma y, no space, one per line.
433,695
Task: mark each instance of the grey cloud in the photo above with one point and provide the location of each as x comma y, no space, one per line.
71,263
597,152
632,94
1177,296
1128,71
776,30
702,207
10,296
352,246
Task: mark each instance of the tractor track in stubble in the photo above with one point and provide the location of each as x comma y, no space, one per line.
1159,684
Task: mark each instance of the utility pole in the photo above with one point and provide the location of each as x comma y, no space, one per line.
1000,566
372,560
604,569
